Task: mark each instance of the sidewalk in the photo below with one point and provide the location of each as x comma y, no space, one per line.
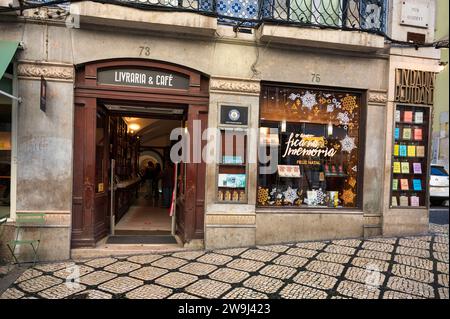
410,267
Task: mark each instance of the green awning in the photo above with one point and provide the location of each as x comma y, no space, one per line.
7,51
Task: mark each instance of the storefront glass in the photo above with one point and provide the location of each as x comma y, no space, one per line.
5,159
318,136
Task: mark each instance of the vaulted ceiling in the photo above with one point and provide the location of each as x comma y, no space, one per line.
152,132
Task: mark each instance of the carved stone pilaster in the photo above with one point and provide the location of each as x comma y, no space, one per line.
378,97
49,70
227,85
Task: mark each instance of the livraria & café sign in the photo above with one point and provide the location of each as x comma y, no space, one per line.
146,78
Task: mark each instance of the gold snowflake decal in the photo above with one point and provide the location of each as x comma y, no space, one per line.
349,103
348,196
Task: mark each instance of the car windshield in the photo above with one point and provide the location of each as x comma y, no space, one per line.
438,171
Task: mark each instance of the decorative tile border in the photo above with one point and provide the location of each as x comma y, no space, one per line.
235,85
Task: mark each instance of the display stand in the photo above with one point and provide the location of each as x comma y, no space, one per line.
409,178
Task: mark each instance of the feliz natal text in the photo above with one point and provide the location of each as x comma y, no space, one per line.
307,145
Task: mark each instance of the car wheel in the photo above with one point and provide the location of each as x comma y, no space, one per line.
436,201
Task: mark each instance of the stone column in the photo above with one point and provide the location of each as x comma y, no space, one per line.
232,225
374,162
45,153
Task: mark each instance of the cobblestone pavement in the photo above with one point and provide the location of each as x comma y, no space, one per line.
388,268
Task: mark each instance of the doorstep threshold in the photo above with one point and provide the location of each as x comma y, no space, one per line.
123,250
104,249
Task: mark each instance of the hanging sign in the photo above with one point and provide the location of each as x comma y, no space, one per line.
414,87
147,78
43,95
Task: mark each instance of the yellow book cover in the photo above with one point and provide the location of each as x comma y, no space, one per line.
396,149
411,150
397,167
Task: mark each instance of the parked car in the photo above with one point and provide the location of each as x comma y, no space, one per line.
438,185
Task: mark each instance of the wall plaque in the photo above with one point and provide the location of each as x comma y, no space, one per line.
234,115
415,13
147,78
414,87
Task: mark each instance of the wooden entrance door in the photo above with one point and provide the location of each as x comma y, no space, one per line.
90,184
90,212
191,202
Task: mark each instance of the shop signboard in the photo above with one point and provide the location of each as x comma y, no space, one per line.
146,78
414,86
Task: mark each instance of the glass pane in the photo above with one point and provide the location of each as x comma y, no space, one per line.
438,171
315,152
100,153
5,159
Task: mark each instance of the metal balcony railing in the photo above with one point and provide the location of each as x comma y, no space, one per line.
363,15
366,15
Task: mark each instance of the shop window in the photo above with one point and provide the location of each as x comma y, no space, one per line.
100,135
410,157
232,167
5,159
314,140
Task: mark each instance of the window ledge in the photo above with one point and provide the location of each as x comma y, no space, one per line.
322,38
275,210
130,18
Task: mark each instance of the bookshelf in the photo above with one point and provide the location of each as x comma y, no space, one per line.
410,155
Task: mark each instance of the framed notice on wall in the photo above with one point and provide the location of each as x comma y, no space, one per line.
410,157
233,115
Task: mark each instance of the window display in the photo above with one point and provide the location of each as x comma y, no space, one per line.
318,142
232,169
409,157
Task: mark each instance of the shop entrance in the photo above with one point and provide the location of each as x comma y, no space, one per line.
144,182
119,130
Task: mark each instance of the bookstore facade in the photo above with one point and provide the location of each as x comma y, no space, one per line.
338,155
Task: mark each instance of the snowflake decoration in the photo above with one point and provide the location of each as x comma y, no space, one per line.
309,100
343,118
352,182
349,103
348,196
348,144
263,195
321,195
330,108
290,195
293,96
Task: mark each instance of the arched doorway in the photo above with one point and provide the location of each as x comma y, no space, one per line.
131,87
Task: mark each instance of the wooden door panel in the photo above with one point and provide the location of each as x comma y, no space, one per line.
84,173
194,197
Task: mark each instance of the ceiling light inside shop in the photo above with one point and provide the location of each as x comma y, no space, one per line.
134,127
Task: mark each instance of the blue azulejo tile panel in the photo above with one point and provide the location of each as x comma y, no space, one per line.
244,9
